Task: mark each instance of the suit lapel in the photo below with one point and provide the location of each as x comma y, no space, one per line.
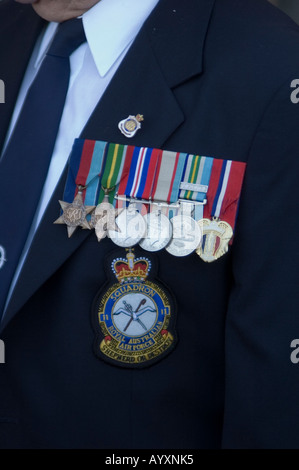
136,90
19,29
143,88
161,58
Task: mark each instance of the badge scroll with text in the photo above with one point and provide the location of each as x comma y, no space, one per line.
134,314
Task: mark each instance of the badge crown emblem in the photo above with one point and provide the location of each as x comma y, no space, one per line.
130,269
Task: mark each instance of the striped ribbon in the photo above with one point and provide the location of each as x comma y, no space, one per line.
87,161
153,174
168,177
139,172
224,190
116,155
195,183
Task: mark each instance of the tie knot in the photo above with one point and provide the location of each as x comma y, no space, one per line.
69,36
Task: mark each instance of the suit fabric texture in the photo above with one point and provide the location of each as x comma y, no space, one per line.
212,78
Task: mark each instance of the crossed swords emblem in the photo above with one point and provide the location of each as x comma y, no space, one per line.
134,314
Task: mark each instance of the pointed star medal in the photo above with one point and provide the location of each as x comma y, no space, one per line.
74,214
103,219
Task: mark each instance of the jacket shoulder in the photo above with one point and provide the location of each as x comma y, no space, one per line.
256,36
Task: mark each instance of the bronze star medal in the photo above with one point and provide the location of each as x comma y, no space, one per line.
74,214
103,219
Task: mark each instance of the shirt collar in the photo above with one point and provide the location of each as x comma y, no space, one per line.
110,27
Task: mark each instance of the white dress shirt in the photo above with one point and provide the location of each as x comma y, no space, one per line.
110,28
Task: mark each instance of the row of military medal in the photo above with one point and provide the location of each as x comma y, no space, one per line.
180,234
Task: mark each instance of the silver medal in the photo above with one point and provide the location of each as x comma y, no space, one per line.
158,232
186,235
131,228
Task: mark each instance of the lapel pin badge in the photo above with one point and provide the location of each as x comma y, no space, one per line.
131,125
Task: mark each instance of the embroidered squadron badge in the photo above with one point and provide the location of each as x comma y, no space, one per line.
134,318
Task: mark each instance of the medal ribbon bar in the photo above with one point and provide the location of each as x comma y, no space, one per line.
202,188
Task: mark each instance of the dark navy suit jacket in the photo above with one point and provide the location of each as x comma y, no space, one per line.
212,78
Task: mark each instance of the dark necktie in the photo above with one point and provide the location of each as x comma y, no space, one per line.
25,162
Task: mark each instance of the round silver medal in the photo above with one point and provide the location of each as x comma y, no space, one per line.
158,232
131,228
186,236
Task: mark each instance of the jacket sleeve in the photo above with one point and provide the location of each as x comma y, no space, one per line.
262,382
